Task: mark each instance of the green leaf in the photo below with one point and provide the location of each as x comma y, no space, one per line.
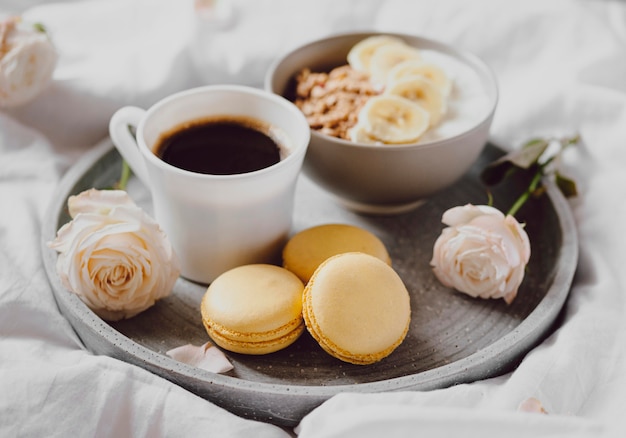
530,153
566,185
528,170
496,171
568,141
39,27
524,158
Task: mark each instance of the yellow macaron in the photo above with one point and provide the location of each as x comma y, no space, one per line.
254,309
306,250
357,308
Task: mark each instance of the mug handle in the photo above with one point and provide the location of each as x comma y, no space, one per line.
120,127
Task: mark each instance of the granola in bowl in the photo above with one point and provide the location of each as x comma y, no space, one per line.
331,101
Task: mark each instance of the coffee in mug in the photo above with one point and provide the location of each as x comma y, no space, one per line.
222,145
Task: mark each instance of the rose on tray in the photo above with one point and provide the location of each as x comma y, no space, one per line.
483,252
113,255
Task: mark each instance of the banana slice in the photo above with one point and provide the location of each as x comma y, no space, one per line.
361,53
388,56
421,91
358,134
393,119
412,67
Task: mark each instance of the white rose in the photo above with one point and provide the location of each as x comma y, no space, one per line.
113,255
482,252
27,62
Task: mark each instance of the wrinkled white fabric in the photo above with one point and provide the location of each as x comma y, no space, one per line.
561,67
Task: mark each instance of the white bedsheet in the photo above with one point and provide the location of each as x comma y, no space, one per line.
561,66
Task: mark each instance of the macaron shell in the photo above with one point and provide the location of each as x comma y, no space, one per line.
251,336
254,309
306,250
256,347
357,308
253,299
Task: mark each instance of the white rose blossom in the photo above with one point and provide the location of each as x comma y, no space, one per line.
482,252
27,62
113,255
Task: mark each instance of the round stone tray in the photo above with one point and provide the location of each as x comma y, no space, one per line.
452,339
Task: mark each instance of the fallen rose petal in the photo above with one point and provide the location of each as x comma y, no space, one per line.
533,405
207,356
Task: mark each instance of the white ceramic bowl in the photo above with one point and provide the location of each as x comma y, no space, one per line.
388,179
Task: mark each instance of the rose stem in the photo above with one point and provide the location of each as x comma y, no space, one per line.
529,190
565,143
125,175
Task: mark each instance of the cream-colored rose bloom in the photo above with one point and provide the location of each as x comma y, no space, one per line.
482,252
113,255
27,62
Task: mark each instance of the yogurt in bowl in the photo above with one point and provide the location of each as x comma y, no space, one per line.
468,102
383,178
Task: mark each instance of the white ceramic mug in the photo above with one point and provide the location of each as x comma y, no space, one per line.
216,222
